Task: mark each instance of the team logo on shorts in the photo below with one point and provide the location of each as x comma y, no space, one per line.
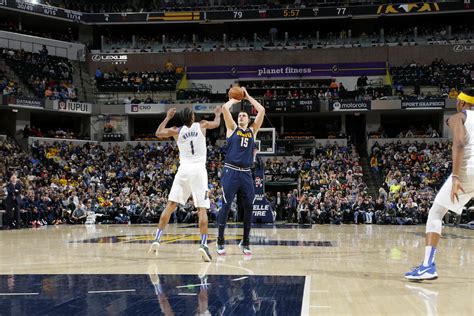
258,182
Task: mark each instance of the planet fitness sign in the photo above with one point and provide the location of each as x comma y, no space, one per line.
286,71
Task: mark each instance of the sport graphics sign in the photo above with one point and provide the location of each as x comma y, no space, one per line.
144,108
345,105
262,210
424,104
73,107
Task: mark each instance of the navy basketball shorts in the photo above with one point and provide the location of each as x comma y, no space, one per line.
238,182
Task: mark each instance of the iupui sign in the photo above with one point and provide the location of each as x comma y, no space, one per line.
343,105
73,107
143,108
113,59
262,210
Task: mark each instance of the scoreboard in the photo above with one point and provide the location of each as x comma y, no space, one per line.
235,15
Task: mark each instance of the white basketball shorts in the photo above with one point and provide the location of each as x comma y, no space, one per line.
444,195
191,179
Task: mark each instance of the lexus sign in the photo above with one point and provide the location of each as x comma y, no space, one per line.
113,59
463,48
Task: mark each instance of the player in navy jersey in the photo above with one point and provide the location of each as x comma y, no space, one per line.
237,176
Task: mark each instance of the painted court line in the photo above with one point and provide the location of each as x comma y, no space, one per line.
240,279
191,285
111,291
306,294
17,294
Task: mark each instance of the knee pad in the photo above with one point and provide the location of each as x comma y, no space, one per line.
435,216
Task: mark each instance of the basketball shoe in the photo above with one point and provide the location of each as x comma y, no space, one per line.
205,254
245,248
154,247
421,273
220,247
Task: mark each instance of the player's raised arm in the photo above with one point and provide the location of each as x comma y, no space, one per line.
229,121
213,124
260,111
162,131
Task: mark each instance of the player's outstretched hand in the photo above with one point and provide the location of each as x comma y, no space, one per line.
455,189
246,94
234,101
218,110
171,112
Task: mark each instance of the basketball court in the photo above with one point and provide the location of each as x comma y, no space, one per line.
295,270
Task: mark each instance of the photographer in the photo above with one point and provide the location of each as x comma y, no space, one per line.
335,216
79,215
381,212
304,210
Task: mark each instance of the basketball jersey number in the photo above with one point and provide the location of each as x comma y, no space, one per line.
192,147
244,142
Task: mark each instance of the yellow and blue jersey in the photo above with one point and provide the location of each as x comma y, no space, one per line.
240,148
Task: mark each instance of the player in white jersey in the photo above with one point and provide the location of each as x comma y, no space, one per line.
458,188
191,178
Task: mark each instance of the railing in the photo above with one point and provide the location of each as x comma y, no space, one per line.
78,142
383,141
73,51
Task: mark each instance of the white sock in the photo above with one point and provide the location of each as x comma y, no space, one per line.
430,253
158,234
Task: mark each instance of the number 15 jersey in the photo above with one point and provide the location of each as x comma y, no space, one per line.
192,144
240,148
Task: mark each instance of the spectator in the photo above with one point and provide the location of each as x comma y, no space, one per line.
79,215
169,67
13,203
99,76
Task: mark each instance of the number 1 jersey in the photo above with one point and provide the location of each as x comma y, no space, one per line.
192,144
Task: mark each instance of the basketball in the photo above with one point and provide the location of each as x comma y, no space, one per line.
236,93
